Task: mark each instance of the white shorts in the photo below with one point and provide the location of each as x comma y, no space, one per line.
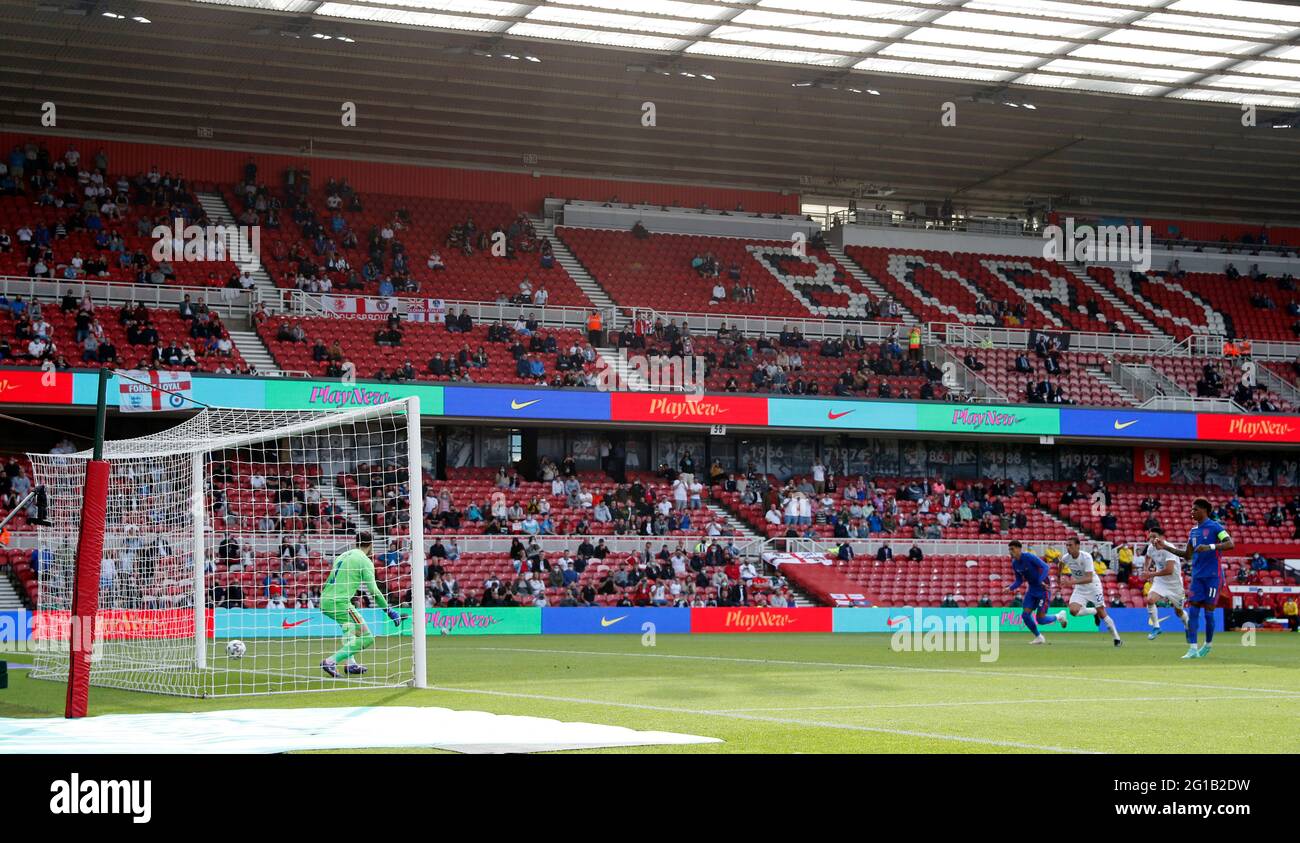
1089,592
1160,591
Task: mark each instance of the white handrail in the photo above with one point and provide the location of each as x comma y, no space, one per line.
111,292
556,316
959,333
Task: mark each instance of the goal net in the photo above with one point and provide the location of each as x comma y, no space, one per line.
219,575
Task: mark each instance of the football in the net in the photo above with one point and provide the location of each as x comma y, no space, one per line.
236,649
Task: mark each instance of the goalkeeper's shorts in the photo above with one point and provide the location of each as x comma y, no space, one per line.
343,614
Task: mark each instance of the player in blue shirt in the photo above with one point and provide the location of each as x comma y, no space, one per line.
1037,575
1204,544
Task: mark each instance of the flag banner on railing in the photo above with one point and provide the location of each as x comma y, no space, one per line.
426,310
158,391
360,306
1062,338
363,307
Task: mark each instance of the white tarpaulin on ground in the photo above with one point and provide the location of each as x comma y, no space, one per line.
268,730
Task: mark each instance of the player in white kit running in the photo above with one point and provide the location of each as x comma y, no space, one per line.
1087,587
1165,572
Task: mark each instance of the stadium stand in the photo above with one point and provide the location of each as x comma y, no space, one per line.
891,508
937,580
789,363
79,333
1027,377
676,272
79,223
332,232
1237,303
431,351
989,289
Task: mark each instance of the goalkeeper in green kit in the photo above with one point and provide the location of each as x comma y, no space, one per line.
351,570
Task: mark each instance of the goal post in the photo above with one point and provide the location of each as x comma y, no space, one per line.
226,528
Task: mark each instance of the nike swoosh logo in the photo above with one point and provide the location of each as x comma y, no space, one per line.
896,621
284,624
834,416
604,622
516,405
1119,425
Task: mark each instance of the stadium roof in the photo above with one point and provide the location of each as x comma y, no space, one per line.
1215,50
743,99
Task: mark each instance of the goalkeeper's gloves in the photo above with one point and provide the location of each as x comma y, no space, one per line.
394,616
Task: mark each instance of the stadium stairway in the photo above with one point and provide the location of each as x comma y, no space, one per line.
342,504
214,205
254,351
1110,383
1068,525
1160,383
964,381
741,529
9,596
878,292
1080,273
628,377
1278,385
566,259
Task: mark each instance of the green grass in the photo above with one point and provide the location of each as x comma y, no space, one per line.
835,693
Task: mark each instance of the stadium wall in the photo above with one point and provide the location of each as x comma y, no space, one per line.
520,190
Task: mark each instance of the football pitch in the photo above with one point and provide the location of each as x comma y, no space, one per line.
832,693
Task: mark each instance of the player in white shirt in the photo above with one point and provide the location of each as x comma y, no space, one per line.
1087,587
1165,572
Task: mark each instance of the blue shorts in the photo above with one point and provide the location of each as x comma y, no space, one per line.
1036,601
1204,590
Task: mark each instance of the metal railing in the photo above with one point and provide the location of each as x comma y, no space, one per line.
1211,345
958,333
930,547
771,326
975,226
554,316
1278,385
1191,404
750,547
234,302
970,383
1129,378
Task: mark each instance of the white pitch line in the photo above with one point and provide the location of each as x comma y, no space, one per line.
872,706
861,666
780,720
